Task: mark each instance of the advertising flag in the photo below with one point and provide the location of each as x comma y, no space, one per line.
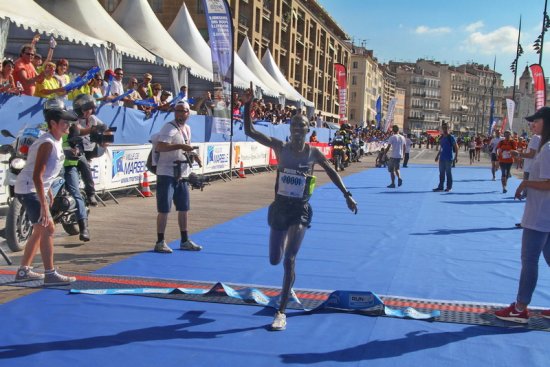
492,116
220,33
378,111
341,79
539,84
389,114
510,108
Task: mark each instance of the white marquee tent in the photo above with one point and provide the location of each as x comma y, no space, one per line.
273,70
185,33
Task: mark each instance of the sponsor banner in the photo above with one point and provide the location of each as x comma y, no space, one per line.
251,154
341,79
389,114
324,148
539,85
215,157
510,108
126,163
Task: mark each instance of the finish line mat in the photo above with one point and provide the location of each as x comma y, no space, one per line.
361,302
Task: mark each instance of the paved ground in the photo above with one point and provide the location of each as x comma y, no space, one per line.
128,228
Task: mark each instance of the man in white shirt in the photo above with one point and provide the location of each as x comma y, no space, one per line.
397,144
172,143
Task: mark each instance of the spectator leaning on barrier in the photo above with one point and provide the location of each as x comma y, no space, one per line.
61,68
49,87
134,95
145,89
172,143
7,83
117,88
24,71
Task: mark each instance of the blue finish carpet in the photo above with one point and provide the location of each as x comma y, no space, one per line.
408,242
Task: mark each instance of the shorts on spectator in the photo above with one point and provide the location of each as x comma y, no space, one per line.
32,206
171,190
393,164
285,213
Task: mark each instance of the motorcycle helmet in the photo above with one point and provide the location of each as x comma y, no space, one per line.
83,102
51,104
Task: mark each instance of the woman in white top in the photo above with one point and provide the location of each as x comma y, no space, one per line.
535,222
44,162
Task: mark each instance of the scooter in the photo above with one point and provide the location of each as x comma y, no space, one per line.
63,209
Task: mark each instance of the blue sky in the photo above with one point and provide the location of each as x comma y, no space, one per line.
454,32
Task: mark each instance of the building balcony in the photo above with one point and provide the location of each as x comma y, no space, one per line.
284,26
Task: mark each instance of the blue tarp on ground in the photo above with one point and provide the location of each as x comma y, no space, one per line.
133,127
408,241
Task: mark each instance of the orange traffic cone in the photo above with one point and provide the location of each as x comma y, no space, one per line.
241,171
145,190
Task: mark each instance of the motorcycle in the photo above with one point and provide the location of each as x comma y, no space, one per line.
340,153
63,209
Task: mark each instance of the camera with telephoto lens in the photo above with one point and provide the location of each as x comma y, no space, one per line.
197,181
102,135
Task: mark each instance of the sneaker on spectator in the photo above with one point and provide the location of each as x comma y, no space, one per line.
54,278
190,246
545,314
25,274
279,322
162,247
511,314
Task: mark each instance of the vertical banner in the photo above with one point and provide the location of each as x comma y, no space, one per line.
492,116
389,114
539,84
510,108
342,81
378,112
220,33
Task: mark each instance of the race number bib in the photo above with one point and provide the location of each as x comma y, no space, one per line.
506,154
291,185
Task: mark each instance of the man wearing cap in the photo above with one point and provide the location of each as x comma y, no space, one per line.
33,190
173,143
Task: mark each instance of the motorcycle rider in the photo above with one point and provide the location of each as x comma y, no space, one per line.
33,189
88,123
73,155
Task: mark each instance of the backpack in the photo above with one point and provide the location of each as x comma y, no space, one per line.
153,156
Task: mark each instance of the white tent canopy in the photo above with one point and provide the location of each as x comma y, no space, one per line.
92,19
139,20
185,33
249,57
273,70
29,15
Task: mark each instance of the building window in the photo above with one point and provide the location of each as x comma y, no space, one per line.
355,65
156,5
354,80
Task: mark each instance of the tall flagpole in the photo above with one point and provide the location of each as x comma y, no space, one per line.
514,66
492,110
539,42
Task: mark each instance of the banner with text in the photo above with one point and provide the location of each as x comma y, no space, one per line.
539,85
341,79
220,34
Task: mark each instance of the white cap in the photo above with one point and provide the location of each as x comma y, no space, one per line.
182,103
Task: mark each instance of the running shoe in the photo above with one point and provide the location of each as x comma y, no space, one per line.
25,274
391,186
511,314
448,190
545,314
54,278
279,322
162,247
399,182
190,246
438,189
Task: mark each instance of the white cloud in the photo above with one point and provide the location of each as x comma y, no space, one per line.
431,31
470,28
501,40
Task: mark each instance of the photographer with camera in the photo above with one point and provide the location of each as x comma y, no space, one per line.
95,136
173,144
